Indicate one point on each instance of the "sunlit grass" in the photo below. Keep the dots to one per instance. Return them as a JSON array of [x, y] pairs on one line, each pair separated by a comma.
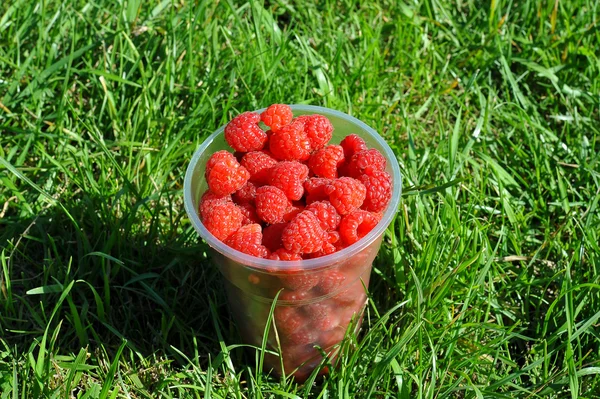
[[487, 284]]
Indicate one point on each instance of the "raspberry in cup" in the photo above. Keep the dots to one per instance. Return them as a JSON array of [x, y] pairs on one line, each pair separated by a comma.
[[318, 269]]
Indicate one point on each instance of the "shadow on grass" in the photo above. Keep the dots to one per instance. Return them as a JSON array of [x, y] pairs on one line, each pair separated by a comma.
[[105, 276]]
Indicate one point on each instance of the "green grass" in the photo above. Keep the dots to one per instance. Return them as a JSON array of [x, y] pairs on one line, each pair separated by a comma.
[[487, 285]]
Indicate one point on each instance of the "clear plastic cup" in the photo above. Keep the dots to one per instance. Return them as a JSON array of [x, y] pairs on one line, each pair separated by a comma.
[[318, 298]]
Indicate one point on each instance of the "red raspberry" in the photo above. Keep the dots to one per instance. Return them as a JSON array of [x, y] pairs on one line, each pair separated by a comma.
[[259, 165], [222, 219], [329, 339], [243, 133], [379, 189], [289, 176], [327, 249], [226, 176], [219, 156], [356, 225], [318, 129], [334, 243], [293, 296], [326, 161], [315, 189], [355, 294], [282, 254], [272, 236], [326, 213], [248, 240], [303, 234], [333, 237], [346, 194], [271, 204], [290, 143], [302, 337], [321, 316], [364, 159], [276, 116], [293, 210], [246, 194], [288, 319], [331, 281], [351, 297], [300, 281], [353, 144], [249, 212], [210, 199]]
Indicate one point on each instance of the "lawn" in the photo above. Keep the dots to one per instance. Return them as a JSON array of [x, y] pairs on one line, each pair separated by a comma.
[[487, 284]]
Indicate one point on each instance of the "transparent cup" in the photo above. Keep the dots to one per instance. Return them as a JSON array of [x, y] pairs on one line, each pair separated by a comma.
[[318, 298]]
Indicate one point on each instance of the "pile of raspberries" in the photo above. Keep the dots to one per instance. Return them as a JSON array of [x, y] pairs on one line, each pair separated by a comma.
[[286, 194]]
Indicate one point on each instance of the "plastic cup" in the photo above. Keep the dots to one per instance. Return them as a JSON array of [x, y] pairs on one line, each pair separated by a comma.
[[318, 298]]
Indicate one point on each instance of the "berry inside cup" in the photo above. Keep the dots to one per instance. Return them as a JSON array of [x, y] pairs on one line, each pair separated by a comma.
[[291, 174], [286, 192]]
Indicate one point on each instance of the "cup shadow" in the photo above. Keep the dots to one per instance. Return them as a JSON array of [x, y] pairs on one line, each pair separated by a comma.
[[144, 280]]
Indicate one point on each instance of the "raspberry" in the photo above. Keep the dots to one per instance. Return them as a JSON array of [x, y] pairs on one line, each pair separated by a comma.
[[355, 294], [353, 144], [327, 249], [259, 165], [303, 337], [331, 281], [276, 116], [272, 236], [249, 212], [379, 189], [321, 316], [293, 210], [332, 244], [333, 237], [350, 312], [329, 339], [326, 213], [288, 319], [303, 234], [245, 194], [219, 156], [222, 219], [325, 162], [248, 240], [361, 160], [289, 176], [346, 194], [318, 129], [300, 281], [356, 225], [226, 176], [315, 189], [379, 215], [290, 143], [210, 199], [293, 296], [243, 133], [282, 254], [271, 204]]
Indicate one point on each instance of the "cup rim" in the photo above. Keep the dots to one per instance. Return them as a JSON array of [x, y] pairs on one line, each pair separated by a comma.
[[305, 264]]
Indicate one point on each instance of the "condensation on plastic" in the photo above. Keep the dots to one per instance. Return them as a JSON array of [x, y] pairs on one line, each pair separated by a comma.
[[252, 283]]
